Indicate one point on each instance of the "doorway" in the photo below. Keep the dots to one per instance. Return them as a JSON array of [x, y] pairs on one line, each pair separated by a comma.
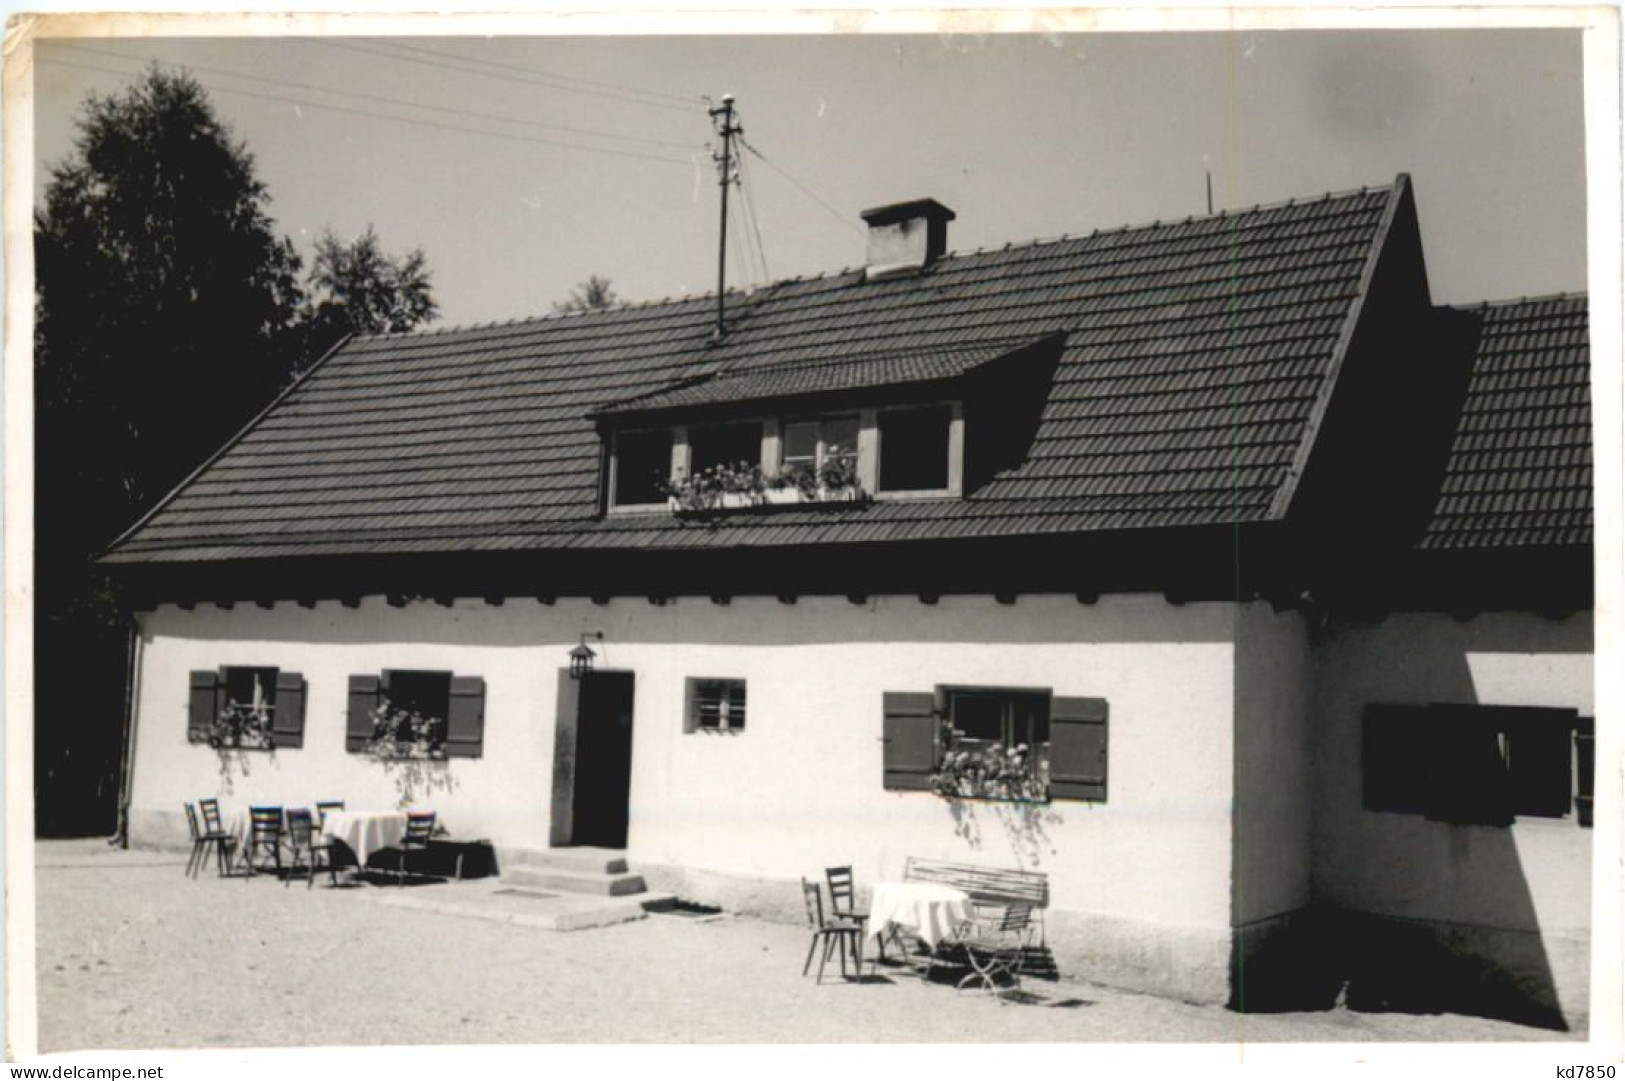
[[592, 760]]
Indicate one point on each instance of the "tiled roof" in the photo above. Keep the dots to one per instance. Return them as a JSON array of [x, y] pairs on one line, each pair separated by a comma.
[[1519, 471], [859, 369], [1195, 355]]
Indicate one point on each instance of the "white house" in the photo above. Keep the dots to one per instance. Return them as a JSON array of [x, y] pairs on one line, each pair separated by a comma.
[[1279, 573]]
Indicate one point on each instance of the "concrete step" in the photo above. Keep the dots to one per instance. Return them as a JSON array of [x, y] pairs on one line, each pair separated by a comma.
[[563, 881], [583, 860]]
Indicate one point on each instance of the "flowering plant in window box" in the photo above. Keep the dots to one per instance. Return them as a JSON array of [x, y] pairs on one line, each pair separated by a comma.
[[993, 772], [738, 484], [242, 726], [399, 733], [836, 481]]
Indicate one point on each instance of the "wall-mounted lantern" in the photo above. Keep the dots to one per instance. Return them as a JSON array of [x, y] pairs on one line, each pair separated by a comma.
[[581, 657]]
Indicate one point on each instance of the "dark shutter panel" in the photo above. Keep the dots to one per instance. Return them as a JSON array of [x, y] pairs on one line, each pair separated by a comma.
[[288, 718], [909, 736], [691, 704], [202, 707], [1585, 767], [465, 719], [1395, 759], [1468, 780], [1077, 748], [363, 700]]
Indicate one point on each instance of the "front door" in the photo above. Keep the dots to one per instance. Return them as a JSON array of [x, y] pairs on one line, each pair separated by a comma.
[[601, 778]]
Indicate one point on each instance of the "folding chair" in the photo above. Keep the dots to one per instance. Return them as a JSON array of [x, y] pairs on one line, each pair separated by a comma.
[[995, 945]]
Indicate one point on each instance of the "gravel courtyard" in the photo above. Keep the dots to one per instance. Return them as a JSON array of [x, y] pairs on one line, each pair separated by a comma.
[[133, 955]]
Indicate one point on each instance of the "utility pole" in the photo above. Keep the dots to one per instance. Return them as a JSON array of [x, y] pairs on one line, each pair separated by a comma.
[[722, 117]]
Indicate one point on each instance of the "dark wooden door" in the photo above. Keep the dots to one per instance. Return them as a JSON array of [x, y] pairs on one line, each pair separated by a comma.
[[603, 767]]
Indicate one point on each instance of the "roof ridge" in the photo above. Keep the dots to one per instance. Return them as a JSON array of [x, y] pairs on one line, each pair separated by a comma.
[[1347, 193]]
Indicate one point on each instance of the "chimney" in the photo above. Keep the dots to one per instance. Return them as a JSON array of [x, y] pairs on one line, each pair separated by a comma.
[[905, 238]]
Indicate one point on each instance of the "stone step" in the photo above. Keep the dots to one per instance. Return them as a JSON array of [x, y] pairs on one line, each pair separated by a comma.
[[565, 881], [490, 899], [583, 860]]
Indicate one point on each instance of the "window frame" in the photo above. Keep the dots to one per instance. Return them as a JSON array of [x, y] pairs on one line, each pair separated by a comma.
[[264, 678], [693, 689], [679, 437], [955, 475], [441, 731]]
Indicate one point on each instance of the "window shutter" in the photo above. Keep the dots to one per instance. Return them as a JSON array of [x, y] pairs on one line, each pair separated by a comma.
[[1394, 759], [288, 719], [1077, 748], [909, 736], [203, 705], [1585, 767], [1468, 782], [465, 718], [363, 700]]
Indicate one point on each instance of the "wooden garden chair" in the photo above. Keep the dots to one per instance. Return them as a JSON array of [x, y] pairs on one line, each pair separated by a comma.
[[834, 935], [214, 834], [304, 841], [843, 897], [419, 829], [264, 838]]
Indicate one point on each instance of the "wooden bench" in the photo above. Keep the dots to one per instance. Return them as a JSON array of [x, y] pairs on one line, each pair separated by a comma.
[[990, 886]]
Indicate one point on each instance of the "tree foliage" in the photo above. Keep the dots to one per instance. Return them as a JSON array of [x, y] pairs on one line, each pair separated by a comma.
[[592, 295], [358, 288]]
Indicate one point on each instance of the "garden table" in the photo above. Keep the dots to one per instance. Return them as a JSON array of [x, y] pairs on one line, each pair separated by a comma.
[[365, 832], [930, 911]]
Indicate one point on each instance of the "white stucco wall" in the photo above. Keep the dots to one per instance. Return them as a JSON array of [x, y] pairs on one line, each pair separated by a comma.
[[1271, 849], [1532, 878], [800, 789]]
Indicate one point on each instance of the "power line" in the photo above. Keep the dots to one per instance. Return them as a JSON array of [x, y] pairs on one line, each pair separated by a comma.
[[844, 220], [745, 184], [395, 101], [401, 119], [465, 69], [687, 101]]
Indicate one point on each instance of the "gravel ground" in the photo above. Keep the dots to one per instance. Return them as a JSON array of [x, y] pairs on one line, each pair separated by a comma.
[[133, 955]]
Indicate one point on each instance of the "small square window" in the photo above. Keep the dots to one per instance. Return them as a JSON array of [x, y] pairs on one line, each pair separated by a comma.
[[715, 705], [642, 467], [914, 449], [821, 453]]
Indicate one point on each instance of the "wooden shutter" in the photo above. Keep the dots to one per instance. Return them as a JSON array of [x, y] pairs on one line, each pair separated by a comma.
[[465, 717], [1394, 759], [909, 735], [288, 718], [363, 700], [203, 705], [1077, 748], [1468, 783], [1585, 767]]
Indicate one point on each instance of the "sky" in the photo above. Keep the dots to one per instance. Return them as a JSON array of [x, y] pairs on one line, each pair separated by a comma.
[[523, 165]]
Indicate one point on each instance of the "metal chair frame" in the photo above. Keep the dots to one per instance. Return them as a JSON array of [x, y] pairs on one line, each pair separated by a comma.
[[419, 829], [995, 942], [836, 935]]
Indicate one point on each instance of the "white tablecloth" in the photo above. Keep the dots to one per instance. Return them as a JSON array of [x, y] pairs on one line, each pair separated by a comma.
[[928, 909], [365, 831]]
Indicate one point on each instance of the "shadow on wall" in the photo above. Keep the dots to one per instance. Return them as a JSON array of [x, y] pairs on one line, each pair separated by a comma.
[[1412, 912]]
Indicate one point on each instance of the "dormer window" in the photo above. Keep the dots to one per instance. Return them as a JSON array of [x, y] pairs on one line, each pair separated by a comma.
[[724, 444], [915, 449], [641, 467], [819, 450]]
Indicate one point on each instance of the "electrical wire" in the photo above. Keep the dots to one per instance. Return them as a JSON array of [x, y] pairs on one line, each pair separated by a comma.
[[383, 99], [687, 101], [745, 185], [467, 69], [842, 218], [398, 119]]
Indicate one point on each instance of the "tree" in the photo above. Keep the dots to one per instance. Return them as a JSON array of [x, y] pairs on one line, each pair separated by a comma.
[[358, 288], [592, 295], [163, 299]]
